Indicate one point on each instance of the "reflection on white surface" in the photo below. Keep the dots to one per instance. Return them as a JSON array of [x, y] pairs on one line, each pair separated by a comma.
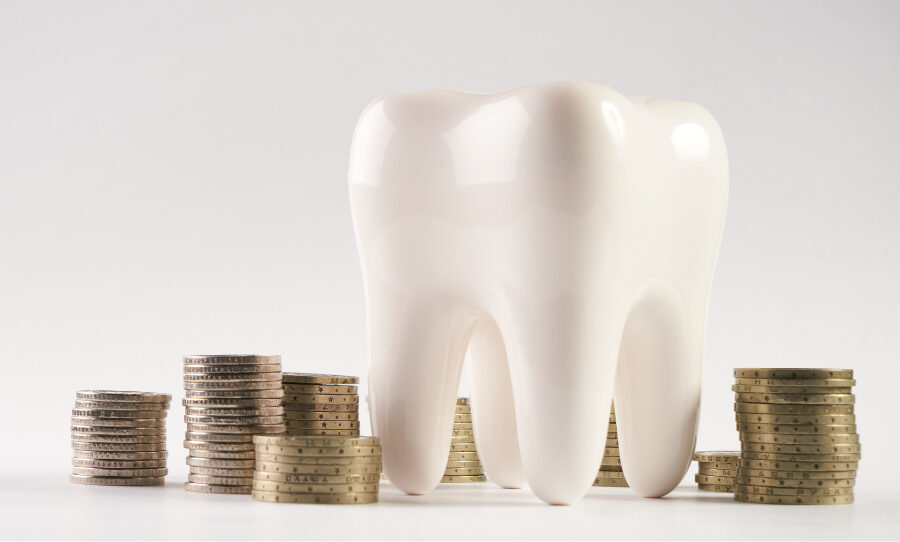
[[369, 146], [614, 123], [690, 141]]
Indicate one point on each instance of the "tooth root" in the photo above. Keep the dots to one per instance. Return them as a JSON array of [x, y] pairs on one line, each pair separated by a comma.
[[493, 411], [658, 391], [562, 365], [417, 354]]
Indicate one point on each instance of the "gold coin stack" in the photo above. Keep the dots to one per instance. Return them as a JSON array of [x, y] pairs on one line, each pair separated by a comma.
[[119, 438], [317, 470], [228, 400], [716, 471], [610, 473], [798, 436], [463, 464], [319, 404]]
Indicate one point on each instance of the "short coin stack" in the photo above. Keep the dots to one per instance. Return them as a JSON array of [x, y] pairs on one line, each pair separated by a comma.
[[317, 470], [798, 436], [319, 404], [463, 464], [716, 471], [228, 399], [119, 438], [610, 474]]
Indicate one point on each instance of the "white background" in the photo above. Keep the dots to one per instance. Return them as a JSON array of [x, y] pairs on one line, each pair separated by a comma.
[[173, 180]]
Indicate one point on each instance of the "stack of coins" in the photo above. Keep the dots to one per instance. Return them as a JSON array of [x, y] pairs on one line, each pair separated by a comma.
[[317, 470], [463, 464], [119, 438], [798, 436], [228, 399], [610, 473], [716, 471], [318, 404]]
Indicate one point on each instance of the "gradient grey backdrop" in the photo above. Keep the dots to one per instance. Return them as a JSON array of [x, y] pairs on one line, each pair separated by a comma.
[[173, 180]]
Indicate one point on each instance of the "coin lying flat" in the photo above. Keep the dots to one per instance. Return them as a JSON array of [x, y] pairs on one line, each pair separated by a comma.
[[798, 475], [797, 398], [233, 385], [319, 389], [120, 456], [292, 430], [793, 499], [794, 373], [232, 377], [218, 446], [611, 452], [610, 482], [792, 491], [716, 472], [796, 419], [462, 418], [292, 406], [610, 474], [118, 447], [120, 473], [800, 439], [800, 429], [217, 480], [463, 456], [716, 488], [240, 359], [234, 420], [120, 431], [801, 448], [215, 368], [236, 394], [118, 464], [795, 482], [714, 480], [309, 378], [116, 480], [218, 454], [319, 451], [314, 424], [463, 479], [209, 436], [462, 447], [610, 461], [798, 382], [313, 498], [220, 463], [801, 457], [745, 388], [274, 467], [119, 414], [219, 471], [463, 471], [231, 403], [304, 399], [312, 460], [797, 465], [234, 412], [128, 396], [90, 421], [299, 441], [211, 488], [718, 457], [85, 404], [237, 429], [464, 464], [766, 408], [463, 409], [302, 478], [358, 487], [306, 415], [119, 439]]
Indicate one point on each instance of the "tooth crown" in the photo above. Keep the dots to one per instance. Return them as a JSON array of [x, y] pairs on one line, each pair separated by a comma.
[[571, 219]]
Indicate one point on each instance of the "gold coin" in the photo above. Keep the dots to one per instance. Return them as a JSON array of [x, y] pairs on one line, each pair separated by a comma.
[[218, 480], [235, 420], [798, 429], [234, 412], [806, 390], [462, 409], [463, 456], [123, 396], [293, 406], [215, 368], [220, 463], [462, 447], [794, 483], [706, 465], [302, 478], [800, 382], [610, 474], [796, 465], [321, 442], [293, 431], [611, 452], [610, 461], [716, 488], [463, 479], [357, 487], [717, 457], [801, 457], [463, 471], [305, 415], [237, 429], [310, 378], [793, 373], [793, 499], [307, 460], [610, 482], [303, 399], [126, 473], [118, 447], [319, 451], [218, 454], [796, 419], [800, 439], [231, 359], [231, 377], [464, 464], [796, 398], [228, 385], [612, 443], [119, 414], [462, 418], [118, 464], [120, 456], [315, 424], [791, 491], [462, 401], [462, 425], [713, 480], [212, 488], [462, 433], [815, 410], [315, 498], [276, 467], [716, 472], [462, 440], [610, 468], [798, 475], [801, 448], [117, 480], [222, 471], [86, 421], [237, 395], [121, 439], [224, 438], [319, 389], [231, 403]]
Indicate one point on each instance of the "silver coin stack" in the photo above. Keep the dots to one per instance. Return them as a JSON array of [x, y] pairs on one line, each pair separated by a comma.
[[119, 438], [228, 400]]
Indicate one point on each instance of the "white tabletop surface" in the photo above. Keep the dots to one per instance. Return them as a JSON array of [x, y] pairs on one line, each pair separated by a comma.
[[48, 506]]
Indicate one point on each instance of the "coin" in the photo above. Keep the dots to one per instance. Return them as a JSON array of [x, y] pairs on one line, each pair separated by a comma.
[[610, 474], [716, 488], [464, 464], [116, 480], [215, 368], [218, 454], [129, 473], [463, 471], [240, 359], [610, 482], [804, 429], [764, 408], [117, 464], [796, 419], [218, 480], [313, 424], [454, 479], [462, 418], [460, 409], [745, 388], [798, 475], [305, 415], [207, 436], [612, 442], [791, 491], [319, 389], [237, 429], [716, 472], [801, 448], [463, 456], [796, 398], [610, 461], [610, 468], [118, 447], [120, 456], [462, 433], [301, 478], [794, 373], [211, 488], [797, 465], [231, 403], [315, 498], [800, 439], [274, 467], [219, 446], [309, 378], [322, 432], [233, 420], [794, 483], [800, 382], [611, 452], [315, 441], [462, 447], [319, 451], [120, 439], [307, 460], [462, 401], [227, 385], [120, 431], [219, 463], [801, 457], [718, 457], [84, 404], [713, 480], [234, 412], [218, 471], [129, 396], [242, 378], [290, 406], [358, 487], [304, 399], [119, 414], [237, 395], [89, 421], [793, 499]]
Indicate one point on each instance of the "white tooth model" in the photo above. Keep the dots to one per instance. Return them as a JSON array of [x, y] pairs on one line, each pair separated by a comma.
[[567, 236]]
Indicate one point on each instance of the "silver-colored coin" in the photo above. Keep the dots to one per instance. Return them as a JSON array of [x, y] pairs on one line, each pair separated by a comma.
[[218, 480], [122, 431], [232, 377], [234, 412], [212, 488], [229, 385], [238, 429], [235, 420], [128, 396], [118, 464], [120, 456], [219, 446], [116, 480], [84, 404], [89, 421], [220, 463], [231, 359], [236, 396], [122, 473], [231, 403], [215, 368], [219, 454], [120, 414], [213, 471], [208, 436], [118, 447], [121, 439]]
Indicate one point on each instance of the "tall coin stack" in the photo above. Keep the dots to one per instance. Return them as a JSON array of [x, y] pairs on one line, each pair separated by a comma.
[[716, 471], [798, 436], [119, 438], [319, 404], [317, 470], [610, 473], [463, 464], [228, 399]]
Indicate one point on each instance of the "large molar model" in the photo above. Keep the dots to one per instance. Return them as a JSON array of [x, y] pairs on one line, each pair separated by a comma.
[[566, 236]]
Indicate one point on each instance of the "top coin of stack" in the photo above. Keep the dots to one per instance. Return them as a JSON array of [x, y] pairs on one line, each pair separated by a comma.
[[463, 464], [610, 473], [716, 471], [228, 399], [320, 404], [119, 438], [798, 436]]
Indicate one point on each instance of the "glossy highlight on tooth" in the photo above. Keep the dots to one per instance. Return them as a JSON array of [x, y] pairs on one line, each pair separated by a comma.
[[564, 235]]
